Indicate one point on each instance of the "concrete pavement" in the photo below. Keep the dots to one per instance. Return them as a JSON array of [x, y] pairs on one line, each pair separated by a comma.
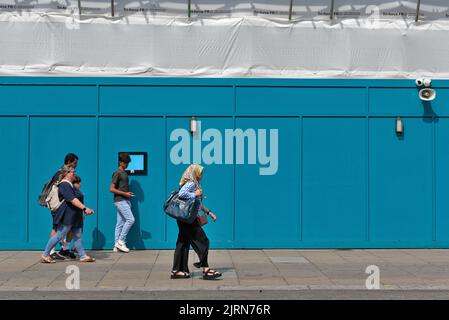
[[281, 271]]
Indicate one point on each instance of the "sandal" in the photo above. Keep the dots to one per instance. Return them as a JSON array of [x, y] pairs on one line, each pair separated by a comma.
[[47, 259], [197, 265], [87, 259], [211, 274], [179, 275]]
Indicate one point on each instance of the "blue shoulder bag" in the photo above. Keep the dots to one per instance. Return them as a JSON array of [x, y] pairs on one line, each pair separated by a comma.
[[184, 210]]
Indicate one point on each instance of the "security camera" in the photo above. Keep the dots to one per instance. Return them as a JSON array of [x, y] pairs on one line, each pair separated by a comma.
[[419, 82], [427, 82]]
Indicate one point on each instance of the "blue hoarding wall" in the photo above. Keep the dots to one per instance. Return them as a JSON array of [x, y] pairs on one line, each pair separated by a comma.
[[288, 163]]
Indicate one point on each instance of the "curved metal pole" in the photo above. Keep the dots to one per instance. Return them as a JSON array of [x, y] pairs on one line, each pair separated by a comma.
[[418, 8]]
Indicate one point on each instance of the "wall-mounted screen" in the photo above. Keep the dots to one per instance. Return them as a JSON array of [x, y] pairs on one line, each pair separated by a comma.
[[138, 164]]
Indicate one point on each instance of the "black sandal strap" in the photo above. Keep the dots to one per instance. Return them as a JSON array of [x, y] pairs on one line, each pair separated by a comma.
[[211, 272], [179, 275]]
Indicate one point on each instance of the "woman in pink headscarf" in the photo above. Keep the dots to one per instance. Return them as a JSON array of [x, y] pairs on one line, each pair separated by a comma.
[[192, 234]]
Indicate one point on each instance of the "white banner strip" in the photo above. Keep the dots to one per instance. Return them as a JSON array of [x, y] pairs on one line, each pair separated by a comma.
[[301, 9], [232, 47]]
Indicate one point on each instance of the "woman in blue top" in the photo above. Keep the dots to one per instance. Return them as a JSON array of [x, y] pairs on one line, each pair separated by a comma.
[[192, 234], [68, 217]]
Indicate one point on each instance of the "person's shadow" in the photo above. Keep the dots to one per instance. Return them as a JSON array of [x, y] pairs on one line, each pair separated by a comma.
[[136, 235], [428, 113], [99, 239]]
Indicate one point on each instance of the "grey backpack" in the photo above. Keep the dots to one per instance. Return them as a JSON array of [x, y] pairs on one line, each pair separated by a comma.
[[53, 201], [42, 198]]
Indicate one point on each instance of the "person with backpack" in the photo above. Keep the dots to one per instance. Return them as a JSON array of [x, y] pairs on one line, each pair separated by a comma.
[[70, 159], [68, 217], [192, 234], [120, 188]]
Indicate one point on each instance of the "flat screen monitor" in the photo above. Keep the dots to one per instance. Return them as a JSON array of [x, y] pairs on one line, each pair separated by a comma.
[[138, 164]]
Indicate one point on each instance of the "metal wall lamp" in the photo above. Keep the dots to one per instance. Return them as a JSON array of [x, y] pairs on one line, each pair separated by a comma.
[[193, 126], [399, 126]]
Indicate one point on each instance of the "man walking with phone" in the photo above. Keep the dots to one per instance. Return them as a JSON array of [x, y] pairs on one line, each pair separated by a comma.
[[120, 188]]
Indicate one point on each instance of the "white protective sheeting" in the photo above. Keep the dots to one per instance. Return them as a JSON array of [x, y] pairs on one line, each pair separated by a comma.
[[367, 38]]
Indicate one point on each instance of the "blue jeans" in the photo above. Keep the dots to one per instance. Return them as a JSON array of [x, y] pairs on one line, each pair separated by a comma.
[[125, 220], [61, 234]]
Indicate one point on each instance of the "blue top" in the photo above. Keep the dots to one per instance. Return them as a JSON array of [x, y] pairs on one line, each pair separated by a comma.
[[67, 214], [80, 196], [187, 191]]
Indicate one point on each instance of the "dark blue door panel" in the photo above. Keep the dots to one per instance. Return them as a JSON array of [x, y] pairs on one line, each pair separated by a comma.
[[401, 173], [334, 179]]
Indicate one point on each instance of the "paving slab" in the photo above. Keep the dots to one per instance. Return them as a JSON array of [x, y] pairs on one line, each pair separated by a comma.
[[403, 281], [88, 284], [214, 284], [138, 266], [288, 259], [350, 282], [306, 281], [85, 268], [162, 278], [254, 274], [102, 288], [26, 282], [6, 254], [138, 259], [345, 273], [303, 275], [131, 274], [366, 260], [15, 288], [5, 276], [87, 279], [122, 283], [269, 281], [14, 266], [178, 284], [53, 288]]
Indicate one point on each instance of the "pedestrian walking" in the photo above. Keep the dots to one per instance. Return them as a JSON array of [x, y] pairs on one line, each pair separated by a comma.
[[68, 217], [70, 159], [120, 188], [192, 234]]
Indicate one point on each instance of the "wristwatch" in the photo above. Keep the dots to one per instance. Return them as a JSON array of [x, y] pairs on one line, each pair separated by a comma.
[[84, 209]]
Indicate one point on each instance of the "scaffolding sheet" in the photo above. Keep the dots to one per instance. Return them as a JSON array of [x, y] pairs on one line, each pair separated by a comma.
[[297, 9], [239, 39]]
